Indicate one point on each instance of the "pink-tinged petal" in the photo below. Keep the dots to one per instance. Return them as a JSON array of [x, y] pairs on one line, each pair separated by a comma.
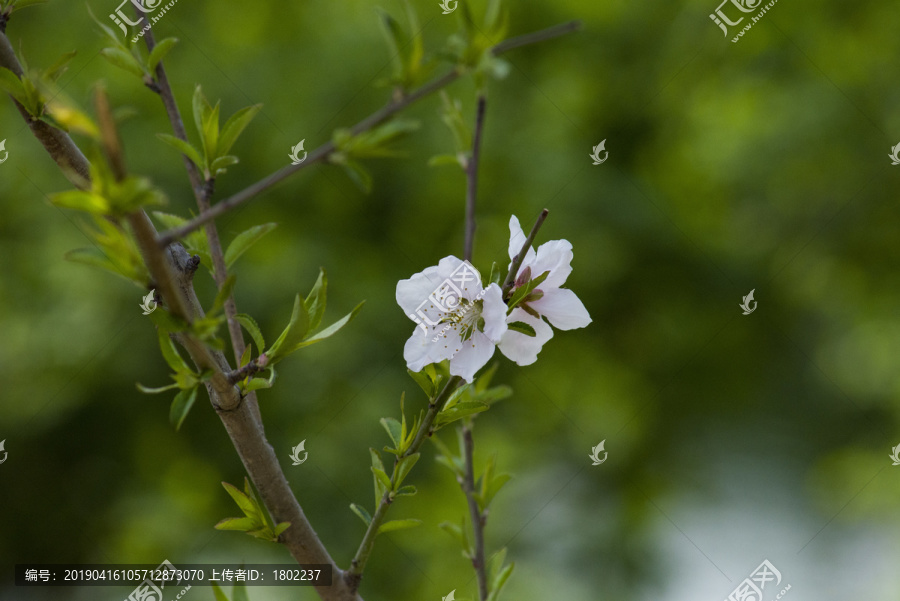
[[522, 348], [494, 313], [476, 352], [516, 239], [556, 257], [564, 310]]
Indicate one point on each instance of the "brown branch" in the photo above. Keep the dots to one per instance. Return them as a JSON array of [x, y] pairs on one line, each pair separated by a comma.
[[517, 261], [472, 179], [246, 433], [396, 104], [478, 518], [353, 576]]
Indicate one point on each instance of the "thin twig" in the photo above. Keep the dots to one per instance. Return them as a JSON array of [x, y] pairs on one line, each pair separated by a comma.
[[517, 261], [353, 575], [478, 521], [472, 179], [203, 193], [322, 152]]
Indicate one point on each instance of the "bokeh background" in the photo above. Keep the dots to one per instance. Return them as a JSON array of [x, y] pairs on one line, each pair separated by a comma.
[[757, 165]]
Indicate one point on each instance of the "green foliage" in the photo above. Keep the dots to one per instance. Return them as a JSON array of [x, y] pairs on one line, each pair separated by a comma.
[[307, 314], [216, 142], [27, 89], [256, 521], [374, 143], [498, 572], [195, 242], [8, 7], [114, 250], [238, 592], [471, 47], [472, 398], [526, 292], [243, 241], [452, 116], [130, 58], [407, 52]]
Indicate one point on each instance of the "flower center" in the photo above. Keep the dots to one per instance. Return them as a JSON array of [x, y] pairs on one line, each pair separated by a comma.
[[465, 318]]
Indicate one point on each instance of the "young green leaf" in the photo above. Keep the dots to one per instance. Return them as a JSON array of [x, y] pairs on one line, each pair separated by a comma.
[[522, 328], [406, 491], [424, 382], [315, 301], [243, 500], [392, 426], [170, 353], [218, 166], [182, 404], [12, 85], [404, 466], [243, 241], [332, 329], [159, 52], [54, 71], [252, 328], [239, 592], [235, 125], [183, 147], [362, 513], [124, 60], [219, 593], [239, 524], [382, 478], [398, 525], [147, 390], [459, 411], [293, 334]]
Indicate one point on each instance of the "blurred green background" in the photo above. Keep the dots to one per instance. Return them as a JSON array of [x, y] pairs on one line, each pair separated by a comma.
[[732, 166]]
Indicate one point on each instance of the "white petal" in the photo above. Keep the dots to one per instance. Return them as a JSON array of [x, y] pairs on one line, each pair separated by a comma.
[[421, 349], [476, 352], [556, 257], [494, 313], [564, 310], [521, 348], [516, 239], [428, 295]]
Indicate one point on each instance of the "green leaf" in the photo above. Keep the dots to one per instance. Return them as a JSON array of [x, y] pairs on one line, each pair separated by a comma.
[[183, 147], [404, 466], [240, 524], [522, 328], [124, 60], [495, 274], [220, 595], [424, 382], [358, 174], [281, 528], [398, 525], [182, 404], [54, 71], [159, 52], [200, 108], [252, 328], [382, 477], [497, 393], [239, 592], [379, 486], [147, 390], [235, 125], [294, 332], [243, 241], [332, 329], [79, 200], [500, 580], [394, 37], [522, 291], [218, 166], [243, 501], [210, 134], [12, 85], [406, 491], [440, 160], [26, 3], [315, 301], [459, 411], [392, 426], [170, 353], [362, 513], [495, 564], [246, 355]]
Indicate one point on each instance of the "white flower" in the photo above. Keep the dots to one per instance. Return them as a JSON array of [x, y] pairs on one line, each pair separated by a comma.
[[558, 305], [457, 318]]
